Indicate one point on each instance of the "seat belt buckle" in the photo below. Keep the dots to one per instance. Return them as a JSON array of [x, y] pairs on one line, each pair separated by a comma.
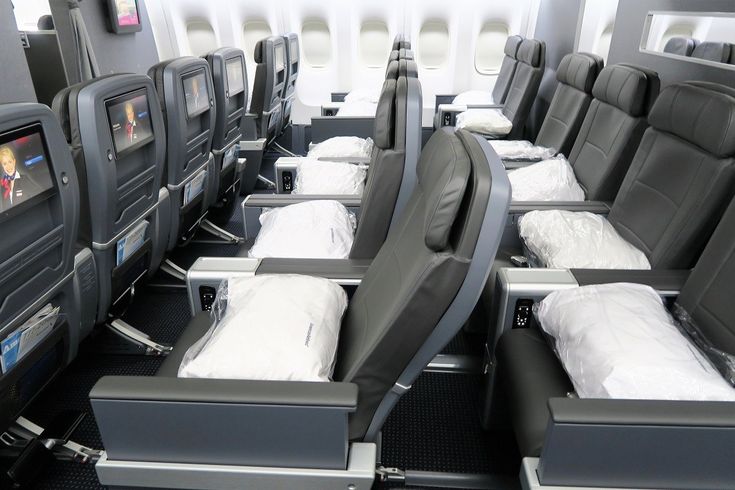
[[519, 261]]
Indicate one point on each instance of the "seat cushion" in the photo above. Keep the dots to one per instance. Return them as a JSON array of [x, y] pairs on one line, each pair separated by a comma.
[[308, 230], [548, 180], [488, 122], [529, 374], [577, 240], [474, 97], [521, 150]]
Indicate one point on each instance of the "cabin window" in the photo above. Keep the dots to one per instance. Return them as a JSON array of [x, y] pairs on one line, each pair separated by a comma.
[[489, 50], [316, 42], [253, 31], [374, 43], [201, 36], [433, 46]]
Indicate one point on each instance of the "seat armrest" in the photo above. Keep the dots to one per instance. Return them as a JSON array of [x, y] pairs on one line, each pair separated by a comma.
[[281, 200], [330, 109], [596, 207], [224, 422], [665, 282], [516, 164], [347, 272], [339, 96], [443, 99], [638, 444], [323, 128]]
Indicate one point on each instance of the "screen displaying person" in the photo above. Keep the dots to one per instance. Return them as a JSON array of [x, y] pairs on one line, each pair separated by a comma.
[[197, 97], [15, 187], [127, 12], [131, 123]]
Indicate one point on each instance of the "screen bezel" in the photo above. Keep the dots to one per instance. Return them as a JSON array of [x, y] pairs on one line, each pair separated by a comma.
[[116, 100], [115, 23], [187, 76], [13, 135], [240, 63]]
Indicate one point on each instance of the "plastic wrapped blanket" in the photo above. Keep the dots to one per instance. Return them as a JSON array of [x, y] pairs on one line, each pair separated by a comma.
[[318, 177], [308, 230], [474, 97], [518, 150], [363, 95], [488, 122], [578, 240], [248, 340], [357, 109], [549, 180], [619, 341], [342, 147]]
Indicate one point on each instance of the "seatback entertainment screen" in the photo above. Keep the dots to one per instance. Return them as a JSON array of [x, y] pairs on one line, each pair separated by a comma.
[[130, 121], [25, 173], [124, 16], [196, 93], [235, 79]]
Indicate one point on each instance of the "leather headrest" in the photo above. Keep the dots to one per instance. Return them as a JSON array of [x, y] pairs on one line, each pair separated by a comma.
[[623, 86], [683, 46], [407, 68], [443, 174], [45, 23], [405, 54], [258, 54], [530, 52], [393, 55], [580, 70], [718, 52], [385, 116], [511, 46], [392, 70], [702, 113]]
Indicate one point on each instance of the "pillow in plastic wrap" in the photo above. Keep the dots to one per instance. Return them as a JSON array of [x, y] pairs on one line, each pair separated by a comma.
[[578, 240], [357, 109], [318, 177], [520, 150], [489, 122], [619, 341], [549, 180], [342, 147], [363, 95], [474, 97], [307, 230], [249, 341]]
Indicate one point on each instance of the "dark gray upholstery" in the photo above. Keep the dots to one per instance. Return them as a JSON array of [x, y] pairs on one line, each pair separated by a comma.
[[507, 69], [268, 86], [524, 87], [612, 129], [45, 23], [683, 46], [400, 42], [711, 51], [292, 73], [576, 74], [410, 283], [682, 175]]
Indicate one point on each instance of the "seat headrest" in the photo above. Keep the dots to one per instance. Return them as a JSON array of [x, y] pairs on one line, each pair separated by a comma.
[[443, 184], [702, 113], [385, 116], [625, 87], [393, 55], [718, 52], [683, 46], [511, 46], [408, 69], [392, 71], [580, 70], [45, 23], [530, 52], [259, 53]]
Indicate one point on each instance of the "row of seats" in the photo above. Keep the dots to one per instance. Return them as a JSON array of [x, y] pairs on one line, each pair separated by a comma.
[[707, 50]]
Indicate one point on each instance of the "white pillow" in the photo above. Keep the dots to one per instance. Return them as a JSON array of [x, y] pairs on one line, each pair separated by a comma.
[[357, 109], [474, 97], [521, 150], [490, 122], [318, 177], [342, 147], [307, 230], [578, 240], [274, 327], [548, 180], [363, 95], [618, 341]]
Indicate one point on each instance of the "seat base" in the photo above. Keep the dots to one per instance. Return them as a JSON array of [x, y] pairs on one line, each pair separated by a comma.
[[359, 474]]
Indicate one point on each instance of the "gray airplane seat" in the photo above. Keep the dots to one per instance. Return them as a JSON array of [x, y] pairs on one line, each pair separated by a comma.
[[712, 51], [270, 79], [400, 42], [230, 79], [507, 69], [637, 451], [576, 75], [186, 95], [39, 218], [412, 300], [292, 70], [524, 87], [45, 63], [682, 46]]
